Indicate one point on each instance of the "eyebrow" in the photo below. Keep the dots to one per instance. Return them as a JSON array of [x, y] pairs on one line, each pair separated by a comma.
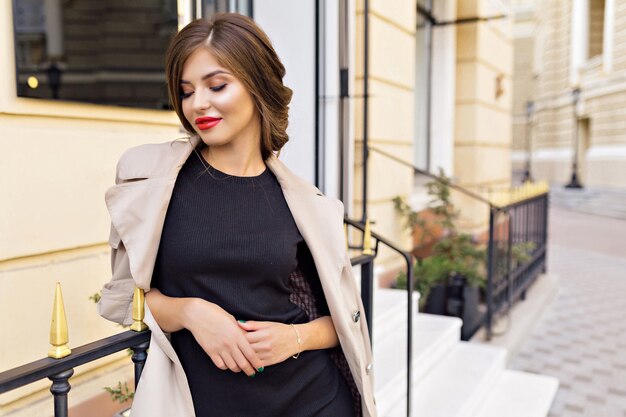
[[207, 76]]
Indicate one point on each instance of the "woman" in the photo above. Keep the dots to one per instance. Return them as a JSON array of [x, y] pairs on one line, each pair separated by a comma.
[[244, 263]]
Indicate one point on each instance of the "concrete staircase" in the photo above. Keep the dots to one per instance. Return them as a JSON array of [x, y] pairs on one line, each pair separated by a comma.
[[451, 378]]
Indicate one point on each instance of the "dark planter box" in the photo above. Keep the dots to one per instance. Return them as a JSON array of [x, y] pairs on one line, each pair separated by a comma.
[[456, 301]]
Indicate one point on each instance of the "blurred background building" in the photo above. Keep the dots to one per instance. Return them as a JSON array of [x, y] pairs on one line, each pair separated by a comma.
[[570, 92]]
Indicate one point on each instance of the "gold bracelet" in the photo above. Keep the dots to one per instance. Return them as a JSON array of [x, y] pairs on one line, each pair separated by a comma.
[[299, 342]]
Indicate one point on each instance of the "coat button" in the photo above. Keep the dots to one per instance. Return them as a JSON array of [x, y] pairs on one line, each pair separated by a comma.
[[369, 367], [356, 316]]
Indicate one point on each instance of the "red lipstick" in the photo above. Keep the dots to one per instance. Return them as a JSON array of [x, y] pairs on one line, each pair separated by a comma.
[[205, 123]]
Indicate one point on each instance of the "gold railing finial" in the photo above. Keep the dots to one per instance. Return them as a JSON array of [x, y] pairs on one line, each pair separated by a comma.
[[138, 311], [58, 328], [367, 239]]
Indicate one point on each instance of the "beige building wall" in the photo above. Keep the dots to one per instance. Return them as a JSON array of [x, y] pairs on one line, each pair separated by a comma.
[[56, 161], [483, 104], [553, 121], [391, 115], [524, 78]]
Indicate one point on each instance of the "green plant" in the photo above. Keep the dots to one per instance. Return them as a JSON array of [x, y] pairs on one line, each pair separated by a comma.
[[521, 252], [95, 297], [455, 253], [120, 394]]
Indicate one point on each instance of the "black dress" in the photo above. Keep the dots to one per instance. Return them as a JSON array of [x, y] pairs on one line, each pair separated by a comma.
[[233, 241]]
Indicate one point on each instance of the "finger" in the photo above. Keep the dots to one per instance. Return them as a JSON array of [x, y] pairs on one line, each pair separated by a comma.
[[230, 362], [249, 326], [261, 348], [255, 337], [252, 357], [243, 363], [265, 355], [218, 361], [252, 325]]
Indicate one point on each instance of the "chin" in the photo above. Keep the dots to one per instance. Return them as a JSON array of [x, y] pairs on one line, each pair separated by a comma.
[[212, 140]]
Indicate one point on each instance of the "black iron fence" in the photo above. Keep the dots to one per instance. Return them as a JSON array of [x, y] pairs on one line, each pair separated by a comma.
[[516, 256], [516, 248], [59, 371]]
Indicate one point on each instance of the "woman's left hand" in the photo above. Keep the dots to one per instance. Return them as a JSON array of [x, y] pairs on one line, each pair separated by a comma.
[[273, 342]]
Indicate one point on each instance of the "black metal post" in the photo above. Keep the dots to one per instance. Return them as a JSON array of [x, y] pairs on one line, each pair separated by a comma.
[[319, 128], [429, 23], [366, 59], [60, 387], [530, 108], [574, 182], [344, 101], [490, 274], [509, 256], [139, 359], [409, 332], [544, 237], [367, 293]]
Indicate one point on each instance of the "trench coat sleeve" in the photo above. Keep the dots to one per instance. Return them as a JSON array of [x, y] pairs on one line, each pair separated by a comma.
[[117, 295]]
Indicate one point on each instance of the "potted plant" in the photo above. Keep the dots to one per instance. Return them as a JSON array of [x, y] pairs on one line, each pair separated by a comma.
[[450, 275]]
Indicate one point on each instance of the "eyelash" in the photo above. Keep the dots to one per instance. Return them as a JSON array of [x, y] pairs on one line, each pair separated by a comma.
[[216, 89]]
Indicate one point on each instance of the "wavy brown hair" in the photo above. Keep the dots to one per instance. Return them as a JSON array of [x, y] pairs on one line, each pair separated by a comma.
[[242, 47]]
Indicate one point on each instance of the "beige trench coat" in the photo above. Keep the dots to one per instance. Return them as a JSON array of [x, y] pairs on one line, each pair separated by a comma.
[[137, 205]]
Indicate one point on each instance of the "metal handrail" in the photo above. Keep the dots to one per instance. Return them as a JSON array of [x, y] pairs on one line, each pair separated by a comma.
[[48, 367], [435, 177], [409, 274]]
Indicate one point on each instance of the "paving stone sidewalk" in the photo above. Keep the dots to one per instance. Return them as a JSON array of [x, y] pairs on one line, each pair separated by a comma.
[[581, 340]]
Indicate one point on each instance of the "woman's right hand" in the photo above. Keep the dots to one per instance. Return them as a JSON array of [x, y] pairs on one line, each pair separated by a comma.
[[213, 328], [217, 332]]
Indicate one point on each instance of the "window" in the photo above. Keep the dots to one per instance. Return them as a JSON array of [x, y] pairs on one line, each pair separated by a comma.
[[104, 52], [596, 28]]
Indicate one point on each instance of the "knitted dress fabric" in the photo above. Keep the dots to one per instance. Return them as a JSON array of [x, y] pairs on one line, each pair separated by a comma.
[[233, 241]]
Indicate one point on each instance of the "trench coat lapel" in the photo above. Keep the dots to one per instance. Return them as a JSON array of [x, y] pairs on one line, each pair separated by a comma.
[[138, 207], [319, 220]]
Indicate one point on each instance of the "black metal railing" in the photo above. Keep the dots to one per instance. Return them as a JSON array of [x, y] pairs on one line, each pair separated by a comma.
[[59, 371], [367, 292], [518, 234], [516, 248]]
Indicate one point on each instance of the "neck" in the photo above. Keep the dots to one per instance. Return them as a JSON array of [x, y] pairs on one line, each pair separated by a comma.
[[243, 162]]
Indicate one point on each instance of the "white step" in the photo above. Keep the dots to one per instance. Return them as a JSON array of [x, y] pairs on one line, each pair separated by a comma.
[[390, 309], [520, 394], [457, 386], [433, 338]]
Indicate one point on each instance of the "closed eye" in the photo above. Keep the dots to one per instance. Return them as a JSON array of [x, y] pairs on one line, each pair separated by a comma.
[[216, 88]]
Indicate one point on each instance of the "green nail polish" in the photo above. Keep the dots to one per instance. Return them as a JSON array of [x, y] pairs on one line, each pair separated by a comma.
[[241, 321], [261, 369], [252, 376]]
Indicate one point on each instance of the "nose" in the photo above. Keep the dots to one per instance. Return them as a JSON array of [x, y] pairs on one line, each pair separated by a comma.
[[201, 100]]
